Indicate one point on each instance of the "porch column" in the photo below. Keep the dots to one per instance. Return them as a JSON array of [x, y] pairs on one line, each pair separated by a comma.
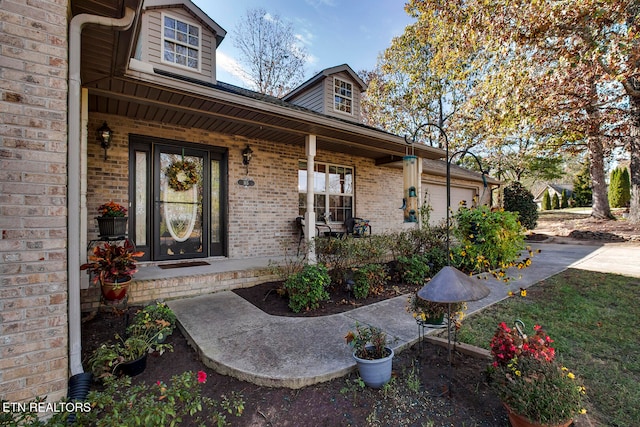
[[310, 216]]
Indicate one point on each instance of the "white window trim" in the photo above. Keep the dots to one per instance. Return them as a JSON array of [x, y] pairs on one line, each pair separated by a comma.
[[327, 193], [333, 97], [162, 40]]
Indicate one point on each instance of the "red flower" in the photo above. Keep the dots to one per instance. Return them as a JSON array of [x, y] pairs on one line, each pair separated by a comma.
[[507, 343], [202, 377]]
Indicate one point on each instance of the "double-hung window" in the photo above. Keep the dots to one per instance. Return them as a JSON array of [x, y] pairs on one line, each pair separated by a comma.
[[333, 191], [181, 42], [342, 96]]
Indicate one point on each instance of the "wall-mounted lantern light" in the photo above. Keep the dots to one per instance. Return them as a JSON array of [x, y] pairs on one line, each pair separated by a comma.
[[247, 153], [246, 156], [104, 136]]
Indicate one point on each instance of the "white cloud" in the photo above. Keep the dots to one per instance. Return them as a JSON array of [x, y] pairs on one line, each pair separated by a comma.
[[232, 67], [305, 37], [318, 3], [269, 17]]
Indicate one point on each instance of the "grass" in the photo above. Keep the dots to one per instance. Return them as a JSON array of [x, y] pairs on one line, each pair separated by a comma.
[[593, 318]]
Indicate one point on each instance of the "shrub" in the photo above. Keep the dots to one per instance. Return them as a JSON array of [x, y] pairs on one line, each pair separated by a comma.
[[413, 269], [122, 404], [436, 258], [619, 188], [564, 202], [307, 288], [546, 201], [555, 201], [342, 255], [518, 199], [582, 193], [487, 240], [369, 279], [418, 241]]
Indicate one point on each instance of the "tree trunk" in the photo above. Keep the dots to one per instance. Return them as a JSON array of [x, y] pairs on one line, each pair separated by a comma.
[[600, 205], [634, 152]]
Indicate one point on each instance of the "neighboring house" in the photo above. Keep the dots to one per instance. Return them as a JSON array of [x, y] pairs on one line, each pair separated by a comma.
[[149, 72], [553, 189]]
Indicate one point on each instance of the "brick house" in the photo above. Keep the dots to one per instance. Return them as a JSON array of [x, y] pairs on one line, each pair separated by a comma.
[[148, 71]]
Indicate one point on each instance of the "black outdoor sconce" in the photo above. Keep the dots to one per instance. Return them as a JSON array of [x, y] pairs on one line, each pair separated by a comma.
[[104, 136], [246, 156], [247, 153]]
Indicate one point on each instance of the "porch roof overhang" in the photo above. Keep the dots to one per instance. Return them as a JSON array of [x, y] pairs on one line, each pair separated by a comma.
[[145, 94], [223, 108]]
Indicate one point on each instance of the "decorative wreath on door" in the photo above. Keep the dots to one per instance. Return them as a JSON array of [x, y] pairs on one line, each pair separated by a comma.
[[182, 175]]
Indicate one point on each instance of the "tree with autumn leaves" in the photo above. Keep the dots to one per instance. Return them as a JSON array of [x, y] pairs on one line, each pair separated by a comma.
[[564, 75]]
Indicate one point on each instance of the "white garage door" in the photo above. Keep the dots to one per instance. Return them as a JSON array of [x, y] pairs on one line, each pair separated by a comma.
[[437, 198]]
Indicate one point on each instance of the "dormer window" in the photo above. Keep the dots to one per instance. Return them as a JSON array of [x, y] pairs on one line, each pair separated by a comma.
[[342, 96], [180, 42]]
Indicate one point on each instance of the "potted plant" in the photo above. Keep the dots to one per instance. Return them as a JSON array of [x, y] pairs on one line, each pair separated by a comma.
[[432, 314], [533, 386], [372, 354], [426, 312], [158, 318], [112, 265], [126, 356], [112, 220]]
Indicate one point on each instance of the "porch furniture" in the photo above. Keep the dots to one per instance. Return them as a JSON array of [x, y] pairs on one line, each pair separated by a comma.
[[322, 229], [357, 227]]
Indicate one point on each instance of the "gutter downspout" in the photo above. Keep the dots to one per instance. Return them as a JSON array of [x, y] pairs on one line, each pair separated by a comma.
[[74, 175]]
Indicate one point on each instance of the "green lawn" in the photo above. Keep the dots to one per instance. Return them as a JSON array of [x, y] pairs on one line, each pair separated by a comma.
[[594, 319]]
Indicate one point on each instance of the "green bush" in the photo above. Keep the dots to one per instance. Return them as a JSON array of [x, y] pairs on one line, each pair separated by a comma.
[[619, 188], [413, 269], [518, 199], [555, 201], [564, 202], [418, 241], [307, 288], [582, 193], [436, 258], [122, 404], [370, 278], [486, 240], [546, 201], [342, 255]]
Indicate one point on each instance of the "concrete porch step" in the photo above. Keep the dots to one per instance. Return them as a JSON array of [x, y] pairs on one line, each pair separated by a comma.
[[152, 283]]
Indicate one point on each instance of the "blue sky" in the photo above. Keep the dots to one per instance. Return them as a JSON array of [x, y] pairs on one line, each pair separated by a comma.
[[334, 32]]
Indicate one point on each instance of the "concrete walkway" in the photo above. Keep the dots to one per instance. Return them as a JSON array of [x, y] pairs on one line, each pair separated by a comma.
[[235, 338]]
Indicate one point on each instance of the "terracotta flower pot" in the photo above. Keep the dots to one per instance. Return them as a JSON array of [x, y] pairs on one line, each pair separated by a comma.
[[116, 291], [518, 420]]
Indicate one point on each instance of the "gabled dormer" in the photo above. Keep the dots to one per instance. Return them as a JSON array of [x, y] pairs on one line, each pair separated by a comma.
[[334, 91], [177, 37]]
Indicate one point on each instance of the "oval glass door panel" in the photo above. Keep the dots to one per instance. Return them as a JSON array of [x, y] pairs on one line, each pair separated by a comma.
[[180, 205]]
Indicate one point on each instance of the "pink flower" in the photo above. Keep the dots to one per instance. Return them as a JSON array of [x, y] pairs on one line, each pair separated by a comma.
[[158, 383], [202, 377]]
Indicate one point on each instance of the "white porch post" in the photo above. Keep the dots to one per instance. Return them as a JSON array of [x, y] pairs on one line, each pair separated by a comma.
[[309, 216]]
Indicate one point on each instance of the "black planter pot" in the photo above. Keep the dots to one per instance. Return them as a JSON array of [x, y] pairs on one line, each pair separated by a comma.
[[112, 226], [133, 368]]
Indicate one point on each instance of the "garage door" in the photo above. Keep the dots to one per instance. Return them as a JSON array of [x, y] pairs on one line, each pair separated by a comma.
[[437, 198]]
